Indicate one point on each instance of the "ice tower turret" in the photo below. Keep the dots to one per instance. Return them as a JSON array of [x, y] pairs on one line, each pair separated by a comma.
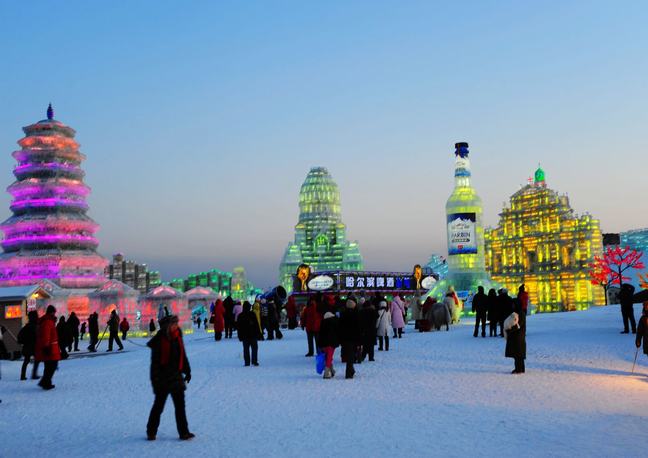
[[49, 235], [320, 234]]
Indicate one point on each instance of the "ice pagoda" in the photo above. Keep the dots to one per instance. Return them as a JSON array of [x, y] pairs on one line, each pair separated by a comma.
[[320, 234], [49, 235]]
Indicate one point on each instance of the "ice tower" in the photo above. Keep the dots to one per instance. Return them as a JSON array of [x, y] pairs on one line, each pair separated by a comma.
[[49, 235], [320, 235]]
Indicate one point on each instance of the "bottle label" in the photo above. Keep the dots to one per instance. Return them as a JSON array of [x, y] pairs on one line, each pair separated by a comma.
[[462, 233]]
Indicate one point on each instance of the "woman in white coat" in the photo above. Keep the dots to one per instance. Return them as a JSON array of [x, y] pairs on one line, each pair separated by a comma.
[[397, 316], [383, 323]]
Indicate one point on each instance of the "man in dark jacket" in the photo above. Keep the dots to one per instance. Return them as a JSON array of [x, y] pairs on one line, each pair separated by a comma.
[[505, 307], [170, 371], [248, 332], [64, 337], [113, 329], [350, 335], [228, 303], [73, 329], [627, 310], [27, 338], [93, 330], [642, 329], [368, 319], [480, 307]]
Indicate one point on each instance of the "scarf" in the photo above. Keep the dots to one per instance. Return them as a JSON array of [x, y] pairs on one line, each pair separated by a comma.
[[165, 349]]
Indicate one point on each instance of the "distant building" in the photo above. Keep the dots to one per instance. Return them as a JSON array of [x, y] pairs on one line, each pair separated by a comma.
[[132, 273], [216, 279], [320, 235], [636, 239], [541, 242]]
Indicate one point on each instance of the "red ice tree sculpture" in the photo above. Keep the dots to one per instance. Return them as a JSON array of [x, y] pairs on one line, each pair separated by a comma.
[[608, 270]]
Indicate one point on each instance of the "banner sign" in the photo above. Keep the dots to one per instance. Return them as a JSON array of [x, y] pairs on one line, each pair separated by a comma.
[[462, 233], [349, 281]]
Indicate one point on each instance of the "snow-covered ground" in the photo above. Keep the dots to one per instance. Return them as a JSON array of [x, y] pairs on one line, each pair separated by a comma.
[[441, 393]]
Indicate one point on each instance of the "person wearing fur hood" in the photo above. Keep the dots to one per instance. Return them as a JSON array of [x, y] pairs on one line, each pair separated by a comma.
[[398, 316], [383, 323], [329, 340], [515, 334]]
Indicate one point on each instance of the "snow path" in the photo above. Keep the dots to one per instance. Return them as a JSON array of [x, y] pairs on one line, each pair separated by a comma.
[[431, 394]]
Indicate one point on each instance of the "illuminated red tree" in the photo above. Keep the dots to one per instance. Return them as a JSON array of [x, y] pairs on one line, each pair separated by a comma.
[[609, 270]]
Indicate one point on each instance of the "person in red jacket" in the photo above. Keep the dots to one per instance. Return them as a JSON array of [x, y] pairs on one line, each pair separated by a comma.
[[523, 299], [218, 319], [47, 347], [291, 312], [312, 320], [124, 327]]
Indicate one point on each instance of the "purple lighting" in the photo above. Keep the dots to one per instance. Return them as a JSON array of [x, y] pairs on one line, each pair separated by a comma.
[[50, 236]]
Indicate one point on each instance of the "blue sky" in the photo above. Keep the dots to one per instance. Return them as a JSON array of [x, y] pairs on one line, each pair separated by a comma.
[[200, 120]]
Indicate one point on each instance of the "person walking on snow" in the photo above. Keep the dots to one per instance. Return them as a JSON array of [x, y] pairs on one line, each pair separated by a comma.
[[504, 308], [124, 327], [515, 334], [311, 321], [383, 324], [480, 307], [523, 299], [170, 372], [93, 330], [47, 347], [627, 310], [350, 335], [218, 320], [368, 319], [152, 326], [73, 331], [492, 312], [63, 336], [642, 329], [249, 333], [329, 340], [230, 321], [397, 316], [27, 338], [113, 329], [83, 330]]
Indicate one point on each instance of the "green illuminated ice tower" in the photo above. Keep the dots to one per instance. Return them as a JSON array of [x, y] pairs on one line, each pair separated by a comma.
[[320, 234], [465, 232]]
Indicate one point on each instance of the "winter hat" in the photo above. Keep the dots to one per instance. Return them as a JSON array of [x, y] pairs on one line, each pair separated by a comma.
[[51, 309], [382, 305], [350, 303], [328, 315]]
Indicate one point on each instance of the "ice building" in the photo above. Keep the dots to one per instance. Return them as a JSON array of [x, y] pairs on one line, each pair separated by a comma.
[[50, 236], [540, 242], [320, 235]]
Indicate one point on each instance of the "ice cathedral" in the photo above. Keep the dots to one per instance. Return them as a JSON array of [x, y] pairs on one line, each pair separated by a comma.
[[320, 235]]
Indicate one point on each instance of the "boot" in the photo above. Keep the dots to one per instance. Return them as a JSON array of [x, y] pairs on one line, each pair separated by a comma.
[[328, 373]]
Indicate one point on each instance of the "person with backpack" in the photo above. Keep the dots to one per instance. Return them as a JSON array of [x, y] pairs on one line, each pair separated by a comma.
[[382, 326], [27, 338]]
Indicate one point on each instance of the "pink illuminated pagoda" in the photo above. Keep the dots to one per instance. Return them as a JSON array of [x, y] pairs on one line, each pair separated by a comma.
[[49, 235]]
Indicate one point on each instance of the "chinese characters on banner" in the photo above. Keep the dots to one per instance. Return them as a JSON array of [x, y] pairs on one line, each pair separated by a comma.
[[372, 281]]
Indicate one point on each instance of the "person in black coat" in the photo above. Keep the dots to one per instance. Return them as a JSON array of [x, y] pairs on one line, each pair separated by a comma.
[[505, 308], [152, 326], [228, 303], [83, 330], [491, 310], [350, 334], [170, 371], [249, 334], [93, 330], [642, 329], [64, 337], [73, 328], [329, 340], [480, 307], [515, 332], [27, 338], [368, 318], [113, 329], [627, 310]]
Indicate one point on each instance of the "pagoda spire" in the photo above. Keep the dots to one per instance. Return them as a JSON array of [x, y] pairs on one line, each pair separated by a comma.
[[50, 112]]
